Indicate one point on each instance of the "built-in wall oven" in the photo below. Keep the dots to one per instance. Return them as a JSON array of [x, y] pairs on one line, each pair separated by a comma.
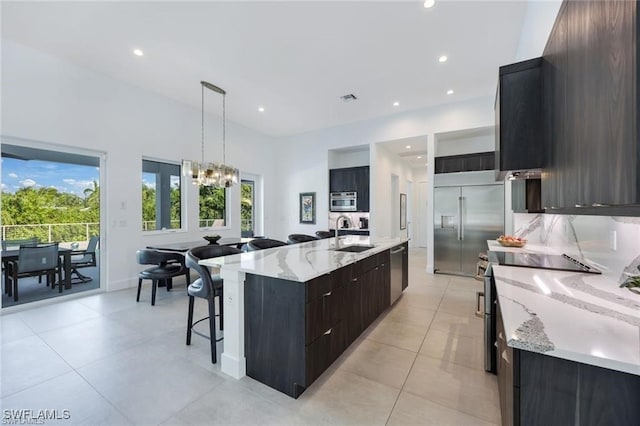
[[343, 202]]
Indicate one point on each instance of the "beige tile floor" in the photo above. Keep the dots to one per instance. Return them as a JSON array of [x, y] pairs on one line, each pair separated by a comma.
[[110, 360]]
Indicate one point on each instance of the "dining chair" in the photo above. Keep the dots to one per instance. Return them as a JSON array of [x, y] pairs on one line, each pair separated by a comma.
[[207, 287], [167, 266], [84, 259], [34, 262], [9, 245]]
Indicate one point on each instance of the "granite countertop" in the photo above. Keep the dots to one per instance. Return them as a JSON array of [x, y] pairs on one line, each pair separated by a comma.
[[577, 316], [302, 262]]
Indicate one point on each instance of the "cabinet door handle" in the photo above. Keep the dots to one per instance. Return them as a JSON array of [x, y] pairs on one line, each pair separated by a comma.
[[505, 357], [354, 279], [327, 332], [398, 250], [326, 294], [500, 336]]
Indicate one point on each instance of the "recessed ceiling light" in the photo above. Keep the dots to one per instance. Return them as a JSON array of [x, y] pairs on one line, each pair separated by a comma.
[[261, 109], [396, 103], [429, 3], [443, 58], [450, 92], [408, 146], [138, 52], [419, 157]]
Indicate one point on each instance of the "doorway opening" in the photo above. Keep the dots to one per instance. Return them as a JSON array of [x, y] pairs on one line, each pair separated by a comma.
[[50, 199]]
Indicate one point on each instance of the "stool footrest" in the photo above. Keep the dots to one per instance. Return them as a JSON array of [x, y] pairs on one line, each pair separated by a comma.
[[206, 336]]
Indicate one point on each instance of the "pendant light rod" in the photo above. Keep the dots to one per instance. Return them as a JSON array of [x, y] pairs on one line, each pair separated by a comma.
[[213, 87]]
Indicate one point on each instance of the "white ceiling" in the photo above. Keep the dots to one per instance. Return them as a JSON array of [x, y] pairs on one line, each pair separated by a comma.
[[293, 58]]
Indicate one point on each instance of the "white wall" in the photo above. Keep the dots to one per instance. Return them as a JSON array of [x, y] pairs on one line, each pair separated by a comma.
[[340, 160], [454, 143], [389, 179], [48, 100], [536, 27]]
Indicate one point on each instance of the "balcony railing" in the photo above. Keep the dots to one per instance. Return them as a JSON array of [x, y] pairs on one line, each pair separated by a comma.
[[50, 232]]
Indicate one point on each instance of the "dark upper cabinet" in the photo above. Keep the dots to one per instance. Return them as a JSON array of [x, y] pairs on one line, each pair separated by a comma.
[[352, 179], [519, 138], [590, 74], [466, 162]]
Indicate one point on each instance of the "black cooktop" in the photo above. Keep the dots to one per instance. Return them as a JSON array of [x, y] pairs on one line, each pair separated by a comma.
[[542, 261]]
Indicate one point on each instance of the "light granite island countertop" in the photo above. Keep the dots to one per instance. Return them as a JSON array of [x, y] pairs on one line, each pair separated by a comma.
[[296, 262]]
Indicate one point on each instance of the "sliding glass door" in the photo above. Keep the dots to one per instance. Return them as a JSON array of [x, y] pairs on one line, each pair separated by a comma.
[[51, 197]]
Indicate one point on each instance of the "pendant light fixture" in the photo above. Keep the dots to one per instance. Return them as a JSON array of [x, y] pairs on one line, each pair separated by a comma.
[[218, 175]]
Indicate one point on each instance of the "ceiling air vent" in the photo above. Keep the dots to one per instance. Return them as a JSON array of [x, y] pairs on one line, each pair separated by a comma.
[[348, 98]]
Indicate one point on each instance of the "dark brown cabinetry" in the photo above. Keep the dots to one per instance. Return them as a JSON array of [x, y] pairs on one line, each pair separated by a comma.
[[352, 179], [538, 389], [591, 77], [294, 330], [519, 141], [466, 162]]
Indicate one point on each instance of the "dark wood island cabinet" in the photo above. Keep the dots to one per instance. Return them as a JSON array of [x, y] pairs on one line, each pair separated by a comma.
[[295, 330]]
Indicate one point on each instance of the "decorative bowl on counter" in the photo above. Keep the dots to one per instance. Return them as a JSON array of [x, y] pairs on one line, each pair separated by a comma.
[[213, 239], [509, 241]]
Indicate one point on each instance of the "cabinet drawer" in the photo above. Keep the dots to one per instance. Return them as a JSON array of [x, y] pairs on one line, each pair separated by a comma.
[[324, 312], [326, 349], [324, 284]]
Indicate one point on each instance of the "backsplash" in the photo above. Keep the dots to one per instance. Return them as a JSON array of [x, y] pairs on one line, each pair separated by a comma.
[[354, 217], [611, 243]]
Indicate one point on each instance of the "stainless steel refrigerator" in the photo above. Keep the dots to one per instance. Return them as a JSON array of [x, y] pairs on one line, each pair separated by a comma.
[[465, 217]]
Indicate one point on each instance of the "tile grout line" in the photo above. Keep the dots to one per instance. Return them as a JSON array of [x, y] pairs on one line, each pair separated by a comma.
[[416, 357]]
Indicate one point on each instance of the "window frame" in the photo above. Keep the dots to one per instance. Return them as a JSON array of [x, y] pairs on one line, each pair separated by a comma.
[[226, 224], [183, 205]]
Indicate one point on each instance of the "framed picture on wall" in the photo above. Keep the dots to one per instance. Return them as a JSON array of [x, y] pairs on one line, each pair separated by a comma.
[[403, 211], [308, 207]]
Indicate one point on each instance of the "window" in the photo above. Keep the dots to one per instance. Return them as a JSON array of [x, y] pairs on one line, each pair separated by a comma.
[[213, 207], [247, 212], [161, 196]]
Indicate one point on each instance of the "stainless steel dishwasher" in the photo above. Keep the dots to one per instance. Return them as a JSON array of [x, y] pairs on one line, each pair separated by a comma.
[[397, 254]]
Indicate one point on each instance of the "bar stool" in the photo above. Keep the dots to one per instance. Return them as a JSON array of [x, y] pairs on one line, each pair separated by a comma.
[[206, 287], [300, 238]]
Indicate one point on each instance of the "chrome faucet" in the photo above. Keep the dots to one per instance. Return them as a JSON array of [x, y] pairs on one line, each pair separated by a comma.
[[342, 216]]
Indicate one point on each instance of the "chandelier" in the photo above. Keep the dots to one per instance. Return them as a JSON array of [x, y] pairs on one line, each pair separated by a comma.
[[218, 175]]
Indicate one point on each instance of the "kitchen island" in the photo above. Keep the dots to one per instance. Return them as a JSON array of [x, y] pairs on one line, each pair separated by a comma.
[[568, 346], [290, 311]]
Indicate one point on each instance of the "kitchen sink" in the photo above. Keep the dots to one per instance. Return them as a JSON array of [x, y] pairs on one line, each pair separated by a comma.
[[355, 248]]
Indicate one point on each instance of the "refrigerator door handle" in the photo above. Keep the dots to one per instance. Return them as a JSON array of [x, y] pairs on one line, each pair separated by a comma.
[[460, 221]]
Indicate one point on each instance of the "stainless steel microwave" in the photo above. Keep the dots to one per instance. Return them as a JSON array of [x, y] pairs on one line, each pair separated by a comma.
[[343, 202]]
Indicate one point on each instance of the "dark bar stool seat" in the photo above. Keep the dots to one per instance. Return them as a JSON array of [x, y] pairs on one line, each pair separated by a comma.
[[167, 266], [264, 243], [324, 234], [300, 238], [206, 287]]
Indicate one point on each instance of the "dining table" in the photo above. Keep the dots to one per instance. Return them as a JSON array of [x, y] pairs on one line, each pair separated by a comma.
[[183, 247], [64, 253]]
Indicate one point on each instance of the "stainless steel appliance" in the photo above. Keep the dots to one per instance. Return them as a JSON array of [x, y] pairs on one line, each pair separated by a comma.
[[465, 217], [364, 223], [397, 255], [490, 347], [343, 201], [541, 261]]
